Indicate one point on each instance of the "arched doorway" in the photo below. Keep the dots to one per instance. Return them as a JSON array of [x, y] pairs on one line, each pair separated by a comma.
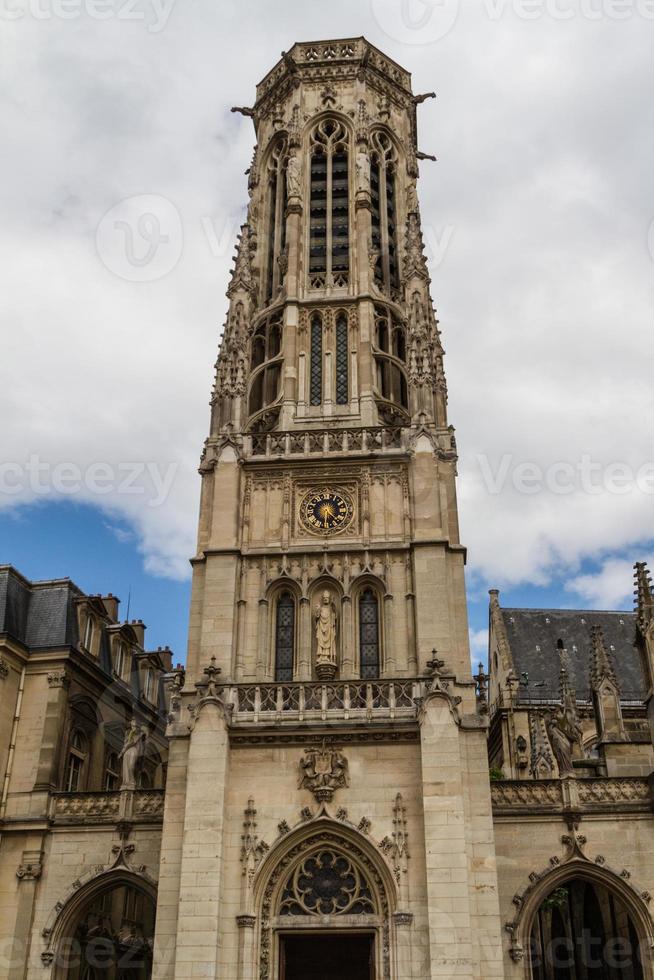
[[109, 935], [583, 930], [326, 908]]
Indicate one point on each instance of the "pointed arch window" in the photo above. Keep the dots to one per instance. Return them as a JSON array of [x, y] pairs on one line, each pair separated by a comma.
[[284, 638], [369, 634], [576, 931], [383, 168], [342, 360], [329, 248], [316, 360], [275, 217]]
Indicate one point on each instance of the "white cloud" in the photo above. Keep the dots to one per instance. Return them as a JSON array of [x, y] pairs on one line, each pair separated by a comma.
[[611, 587], [478, 646], [544, 289]]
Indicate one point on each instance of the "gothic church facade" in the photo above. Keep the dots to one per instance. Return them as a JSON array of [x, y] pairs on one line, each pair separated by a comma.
[[343, 798]]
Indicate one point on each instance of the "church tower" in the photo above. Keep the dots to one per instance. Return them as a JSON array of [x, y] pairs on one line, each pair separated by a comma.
[[328, 799]]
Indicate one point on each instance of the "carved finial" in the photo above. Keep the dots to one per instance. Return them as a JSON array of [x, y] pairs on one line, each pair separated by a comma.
[[435, 665], [601, 662]]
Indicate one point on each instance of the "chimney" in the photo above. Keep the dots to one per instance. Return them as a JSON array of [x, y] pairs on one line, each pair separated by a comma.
[[139, 628], [111, 603]]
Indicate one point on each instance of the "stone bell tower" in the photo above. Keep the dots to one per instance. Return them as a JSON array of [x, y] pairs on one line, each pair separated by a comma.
[[327, 798]]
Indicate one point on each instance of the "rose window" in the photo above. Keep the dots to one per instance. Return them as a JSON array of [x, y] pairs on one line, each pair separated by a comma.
[[327, 883]]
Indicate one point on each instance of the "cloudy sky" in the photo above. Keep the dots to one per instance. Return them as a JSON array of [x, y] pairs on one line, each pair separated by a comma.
[[539, 226]]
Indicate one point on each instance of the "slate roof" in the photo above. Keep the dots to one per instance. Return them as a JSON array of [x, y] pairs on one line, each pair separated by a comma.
[[533, 636], [38, 614]]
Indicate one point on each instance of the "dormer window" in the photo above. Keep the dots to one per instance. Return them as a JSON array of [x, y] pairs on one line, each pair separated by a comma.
[[120, 660], [149, 686], [89, 631]]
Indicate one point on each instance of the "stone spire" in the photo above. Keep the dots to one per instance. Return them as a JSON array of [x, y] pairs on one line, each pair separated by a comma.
[[644, 596]]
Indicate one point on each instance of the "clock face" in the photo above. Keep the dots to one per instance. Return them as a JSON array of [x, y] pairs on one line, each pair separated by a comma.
[[326, 510]]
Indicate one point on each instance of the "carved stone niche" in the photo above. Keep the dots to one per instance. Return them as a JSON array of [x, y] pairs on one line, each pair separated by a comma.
[[323, 770]]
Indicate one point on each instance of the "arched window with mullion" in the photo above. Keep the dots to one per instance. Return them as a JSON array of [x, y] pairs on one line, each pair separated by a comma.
[[329, 222], [369, 658], [384, 213], [342, 359], [284, 638], [276, 217]]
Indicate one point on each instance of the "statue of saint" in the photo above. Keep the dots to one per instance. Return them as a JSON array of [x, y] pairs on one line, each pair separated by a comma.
[[131, 752], [412, 197], [326, 632], [294, 176], [564, 733], [362, 163]]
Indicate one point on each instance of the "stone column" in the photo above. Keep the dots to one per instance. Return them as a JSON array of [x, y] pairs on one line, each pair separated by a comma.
[[347, 649], [201, 867], [304, 642], [28, 873], [462, 942], [172, 837]]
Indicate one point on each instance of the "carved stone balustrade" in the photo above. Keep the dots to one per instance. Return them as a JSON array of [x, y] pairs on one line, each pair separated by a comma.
[[326, 442], [339, 701], [93, 808], [519, 797]]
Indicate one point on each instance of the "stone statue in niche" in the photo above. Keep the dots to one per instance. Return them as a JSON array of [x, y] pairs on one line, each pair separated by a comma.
[[131, 754], [362, 163], [294, 176], [326, 624], [564, 733]]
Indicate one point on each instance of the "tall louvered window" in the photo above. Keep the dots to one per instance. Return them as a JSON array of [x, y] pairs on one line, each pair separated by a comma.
[[329, 246], [284, 638], [369, 634], [342, 357], [276, 220], [316, 360], [384, 213]]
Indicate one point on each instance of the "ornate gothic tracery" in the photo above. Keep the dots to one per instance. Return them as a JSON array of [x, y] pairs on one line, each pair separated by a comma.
[[327, 883]]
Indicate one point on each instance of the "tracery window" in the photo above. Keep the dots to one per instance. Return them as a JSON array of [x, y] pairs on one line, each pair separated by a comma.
[[266, 349], [284, 638], [316, 360], [578, 931], [342, 359], [390, 357], [75, 764], [327, 883], [369, 635], [329, 248], [276, 216], [383, 168]]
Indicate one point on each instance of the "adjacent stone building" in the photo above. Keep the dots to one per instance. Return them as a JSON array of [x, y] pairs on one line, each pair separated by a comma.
[[343, 798]]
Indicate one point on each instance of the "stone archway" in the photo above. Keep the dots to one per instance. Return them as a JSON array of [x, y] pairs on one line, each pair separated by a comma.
[[105, 929], [554, 887], [324, 881]]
